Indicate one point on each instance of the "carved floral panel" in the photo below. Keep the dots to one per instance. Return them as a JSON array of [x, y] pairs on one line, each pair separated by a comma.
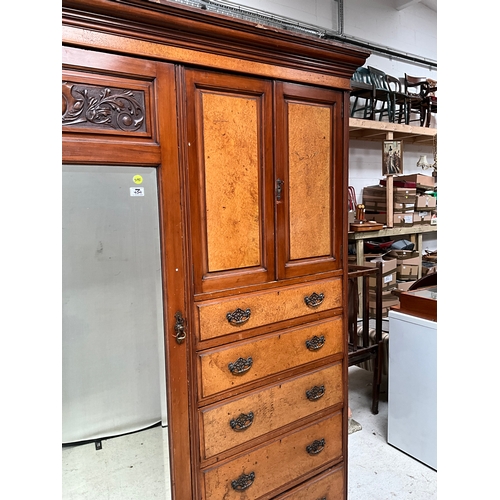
[[103, 107]]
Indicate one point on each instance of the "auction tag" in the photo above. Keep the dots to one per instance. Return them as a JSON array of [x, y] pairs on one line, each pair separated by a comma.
[[137, 191], [137, 179]]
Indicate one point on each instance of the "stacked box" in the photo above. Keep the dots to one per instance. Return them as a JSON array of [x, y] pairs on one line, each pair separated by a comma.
[[408, 264], [375, 202], [389, 268], [421, 181], [374, 199], [388, 300]]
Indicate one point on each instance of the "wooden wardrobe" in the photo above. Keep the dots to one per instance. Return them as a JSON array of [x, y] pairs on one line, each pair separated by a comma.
[[247, 126]]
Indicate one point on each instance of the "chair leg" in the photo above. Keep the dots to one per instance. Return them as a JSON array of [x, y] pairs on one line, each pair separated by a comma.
[[378, 363]]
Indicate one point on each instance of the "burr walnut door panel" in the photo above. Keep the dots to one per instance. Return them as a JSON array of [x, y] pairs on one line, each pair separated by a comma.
[[229, 141], [309, 171]]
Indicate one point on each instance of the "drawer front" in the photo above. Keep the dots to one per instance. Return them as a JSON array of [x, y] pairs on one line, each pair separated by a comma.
[[258, 413], [327, 486], [225, 368], [226, 316], [287, 459]]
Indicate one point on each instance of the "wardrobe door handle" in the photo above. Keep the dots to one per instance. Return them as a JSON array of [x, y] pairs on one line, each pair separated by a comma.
[[315, 343], [243, 482], [244, 421], [316, 447], [314, 300], [240, 366], [238, 316], [315, 393]]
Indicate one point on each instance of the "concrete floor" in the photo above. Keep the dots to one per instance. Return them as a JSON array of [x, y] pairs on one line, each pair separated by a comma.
[[135, 467], [377, 470]]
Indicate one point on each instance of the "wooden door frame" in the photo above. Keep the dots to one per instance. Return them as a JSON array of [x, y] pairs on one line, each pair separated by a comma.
[[158, 149]]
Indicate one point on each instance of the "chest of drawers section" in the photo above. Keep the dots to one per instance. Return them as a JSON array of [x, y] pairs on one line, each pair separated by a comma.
[[270, 372]]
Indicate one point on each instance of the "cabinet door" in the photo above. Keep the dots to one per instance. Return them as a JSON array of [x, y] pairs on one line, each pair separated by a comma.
[[229, 150], [309, 179]]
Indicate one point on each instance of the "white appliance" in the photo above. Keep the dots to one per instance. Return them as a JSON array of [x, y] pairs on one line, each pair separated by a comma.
[[412, 382]]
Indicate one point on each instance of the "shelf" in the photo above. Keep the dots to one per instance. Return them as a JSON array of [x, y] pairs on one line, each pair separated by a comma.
[[415, 232], [373, 130], [394, 231]]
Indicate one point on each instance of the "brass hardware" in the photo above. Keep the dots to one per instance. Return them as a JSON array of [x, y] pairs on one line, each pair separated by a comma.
[[315, 393], [238, 317], [240, 366], [243, 482], [316, 447], [180, 332], [314, 300], [315, 343], [279, 189], [244, 421]]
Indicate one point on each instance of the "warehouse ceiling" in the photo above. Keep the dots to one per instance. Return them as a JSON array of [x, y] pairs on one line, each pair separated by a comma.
[[402, 4]]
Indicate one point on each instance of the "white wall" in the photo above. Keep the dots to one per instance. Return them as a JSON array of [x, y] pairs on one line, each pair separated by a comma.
[[412, 30]]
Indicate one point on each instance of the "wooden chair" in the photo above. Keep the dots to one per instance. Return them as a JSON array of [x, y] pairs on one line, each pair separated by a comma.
[[363, 91], [421, 99], [362, 347], [382, 94], [399, 99]]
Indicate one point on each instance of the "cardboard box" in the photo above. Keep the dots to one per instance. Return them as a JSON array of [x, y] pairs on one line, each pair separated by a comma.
[[403, 220], [404, 195], [388, 300], [404, 286], [420, 180], [422, 217], [425, 202], [407, 257], [389, 269], [407, 272], [404, 207]]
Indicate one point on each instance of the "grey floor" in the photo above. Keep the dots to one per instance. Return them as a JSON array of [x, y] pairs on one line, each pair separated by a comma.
[[377, 470], [135, 467]]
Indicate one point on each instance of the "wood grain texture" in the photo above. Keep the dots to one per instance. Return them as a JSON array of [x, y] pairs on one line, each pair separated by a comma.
[[280, 351], [330, 485], [309, 129], [266, 307], [278, 463], [272, 407], [232, 188]]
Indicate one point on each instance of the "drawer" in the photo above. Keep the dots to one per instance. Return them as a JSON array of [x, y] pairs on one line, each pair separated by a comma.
[[260, 412], [327, 486], [233, 315], [294, 455], [225, 368]]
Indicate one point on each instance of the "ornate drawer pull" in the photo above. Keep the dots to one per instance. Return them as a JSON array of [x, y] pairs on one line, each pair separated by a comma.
[[315, 343], [243, 482], [240, 366], [244, 421], [314, 300], [316, 446], [315, 393], [238, 317], [322, 498]]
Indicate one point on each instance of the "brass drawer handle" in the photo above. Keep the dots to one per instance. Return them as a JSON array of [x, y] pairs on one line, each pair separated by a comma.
[[315, 393], [314, 300], [244, 421], [315, 343], [240, 366], [243, 482], [238, 317], [316, 447]]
